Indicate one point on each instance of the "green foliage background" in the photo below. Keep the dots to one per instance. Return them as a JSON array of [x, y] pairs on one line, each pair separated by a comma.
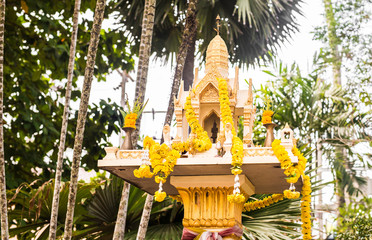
[[37, 36]]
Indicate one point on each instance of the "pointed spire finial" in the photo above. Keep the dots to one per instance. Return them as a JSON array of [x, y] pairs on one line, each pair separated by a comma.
[[218, 20]]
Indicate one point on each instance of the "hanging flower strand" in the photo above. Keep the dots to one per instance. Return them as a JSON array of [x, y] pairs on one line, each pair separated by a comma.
[[201, 142], [144, 170], [293, 173], [237, 144], [163, 159]]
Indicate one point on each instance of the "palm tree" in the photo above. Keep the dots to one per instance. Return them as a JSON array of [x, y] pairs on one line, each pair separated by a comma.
[[119, 230], [71, 64], [88, 78], [142, 229], [333, 41], [143, 58], [277, 221], [326, 120], [269, 25], [123, 206], [187, 40], [31, 208], [3, 199], [141, 81]]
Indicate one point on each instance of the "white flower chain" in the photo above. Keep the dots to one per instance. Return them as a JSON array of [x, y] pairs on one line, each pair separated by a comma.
[[236, 185]]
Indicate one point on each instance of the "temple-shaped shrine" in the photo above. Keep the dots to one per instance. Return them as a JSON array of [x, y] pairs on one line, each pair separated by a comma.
[[204, 96], [203, 180]]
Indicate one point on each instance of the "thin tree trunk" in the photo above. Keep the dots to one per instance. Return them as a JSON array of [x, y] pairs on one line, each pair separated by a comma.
[[187, 37], [119, 230], [145, 218], [333, 41], [188, 70], [122, 214], [143, 59], [62, 141], [3, 199], [336, 68], [88, 77]]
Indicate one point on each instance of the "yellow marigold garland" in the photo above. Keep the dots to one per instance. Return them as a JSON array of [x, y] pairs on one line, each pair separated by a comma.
[[293, 173], [267, 201], [202, 142], [305, 208], [291, 194], [144, 170], [180, 146], [237, 144], [163, 159]]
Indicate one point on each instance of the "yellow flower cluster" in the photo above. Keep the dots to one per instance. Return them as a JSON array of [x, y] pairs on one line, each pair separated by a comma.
[[143, 172], [148, 142], [163, 160], [130, 120], [237, 144], [180, 146], [202, 142], [160, 196], [266, 116], [237, 154], [293, 173], [236, 198], [225, 103], [305, 208], [300, 168], [267, 201], [291, 194]]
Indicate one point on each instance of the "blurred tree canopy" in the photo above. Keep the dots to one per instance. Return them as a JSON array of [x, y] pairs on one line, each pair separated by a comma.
[[37, 36], [252, 30], [353, 39]]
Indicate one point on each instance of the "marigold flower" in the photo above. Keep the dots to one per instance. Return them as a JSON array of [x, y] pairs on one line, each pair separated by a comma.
[[130, 120], [160, 196]]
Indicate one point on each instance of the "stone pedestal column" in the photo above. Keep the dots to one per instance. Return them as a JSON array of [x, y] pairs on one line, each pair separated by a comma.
[[205, 201], [179, 136]]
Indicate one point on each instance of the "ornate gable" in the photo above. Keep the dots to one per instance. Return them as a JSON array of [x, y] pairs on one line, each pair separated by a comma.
[[209, 94]]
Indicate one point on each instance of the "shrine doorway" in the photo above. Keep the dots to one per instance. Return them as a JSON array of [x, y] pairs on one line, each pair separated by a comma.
[[211, 125]]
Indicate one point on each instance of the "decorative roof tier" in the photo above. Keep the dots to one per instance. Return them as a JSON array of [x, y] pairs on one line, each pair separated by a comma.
[[217, 57], [205, 97]]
